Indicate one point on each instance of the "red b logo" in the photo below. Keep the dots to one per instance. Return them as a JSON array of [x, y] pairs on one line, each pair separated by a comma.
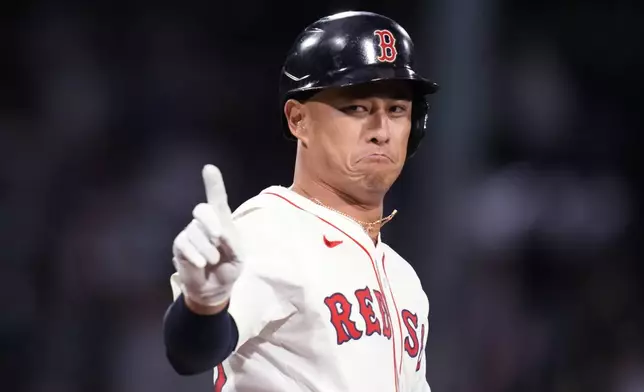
[[387, 43]]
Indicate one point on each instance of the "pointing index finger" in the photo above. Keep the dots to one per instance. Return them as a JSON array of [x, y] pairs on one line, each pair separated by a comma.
[[215, 190]]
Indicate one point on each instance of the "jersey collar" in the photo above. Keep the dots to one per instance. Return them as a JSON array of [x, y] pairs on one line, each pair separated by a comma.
[[344, 224]]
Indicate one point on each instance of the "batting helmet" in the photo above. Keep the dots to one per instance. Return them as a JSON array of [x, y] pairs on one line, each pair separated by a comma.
[[352, 48]]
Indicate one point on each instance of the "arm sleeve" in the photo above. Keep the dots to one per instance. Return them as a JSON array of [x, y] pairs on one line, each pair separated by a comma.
[[196, 343]]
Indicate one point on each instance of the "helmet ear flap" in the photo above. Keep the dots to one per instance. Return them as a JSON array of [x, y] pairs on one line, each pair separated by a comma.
[[419, 114]]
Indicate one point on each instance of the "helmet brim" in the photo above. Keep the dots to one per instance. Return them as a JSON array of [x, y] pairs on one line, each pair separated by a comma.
[[364, 75]]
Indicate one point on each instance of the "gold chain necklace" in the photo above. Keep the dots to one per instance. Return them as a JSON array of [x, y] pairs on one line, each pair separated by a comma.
[[366, 226]]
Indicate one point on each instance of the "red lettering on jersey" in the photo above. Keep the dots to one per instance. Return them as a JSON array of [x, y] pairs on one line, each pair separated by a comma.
[[221, 378], [340, 309], [366, 310], [411, 323], [387, 44], [384, 311], [422, 341]]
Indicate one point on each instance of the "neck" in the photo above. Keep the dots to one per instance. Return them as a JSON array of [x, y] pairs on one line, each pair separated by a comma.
[[341, 201]]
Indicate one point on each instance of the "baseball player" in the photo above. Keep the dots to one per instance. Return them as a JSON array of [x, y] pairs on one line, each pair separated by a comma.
[[296, 290]]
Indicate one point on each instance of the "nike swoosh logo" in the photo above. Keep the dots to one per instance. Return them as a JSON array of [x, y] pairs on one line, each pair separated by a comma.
[[331, 244], [295, 78]]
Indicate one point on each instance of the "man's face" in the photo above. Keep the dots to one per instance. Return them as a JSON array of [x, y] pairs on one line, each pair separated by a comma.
[[360, 133]]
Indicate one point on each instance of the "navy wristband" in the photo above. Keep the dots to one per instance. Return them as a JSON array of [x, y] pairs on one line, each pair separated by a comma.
[[197, 343]]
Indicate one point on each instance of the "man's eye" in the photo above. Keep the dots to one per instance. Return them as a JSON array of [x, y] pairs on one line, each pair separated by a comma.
[[398, 109], [354, 109]]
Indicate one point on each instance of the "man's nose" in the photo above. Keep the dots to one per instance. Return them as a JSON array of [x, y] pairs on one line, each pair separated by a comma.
[[379, 132]]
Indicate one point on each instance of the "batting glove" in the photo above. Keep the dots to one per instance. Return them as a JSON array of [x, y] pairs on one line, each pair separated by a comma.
[[207, 253]]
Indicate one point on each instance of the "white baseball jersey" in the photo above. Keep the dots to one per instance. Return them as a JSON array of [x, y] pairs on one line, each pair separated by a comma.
[[319, 307]]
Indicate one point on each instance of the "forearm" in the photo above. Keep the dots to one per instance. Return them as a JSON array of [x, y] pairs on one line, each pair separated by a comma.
[[196, 343]]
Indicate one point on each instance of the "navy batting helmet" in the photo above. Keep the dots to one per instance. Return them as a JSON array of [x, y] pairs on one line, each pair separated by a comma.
[[352, 48]]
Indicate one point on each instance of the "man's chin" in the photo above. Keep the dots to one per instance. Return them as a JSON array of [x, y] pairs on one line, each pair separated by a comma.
[[379, 181]]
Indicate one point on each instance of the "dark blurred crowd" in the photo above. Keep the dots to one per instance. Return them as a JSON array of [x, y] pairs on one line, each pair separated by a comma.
[[530, 253]]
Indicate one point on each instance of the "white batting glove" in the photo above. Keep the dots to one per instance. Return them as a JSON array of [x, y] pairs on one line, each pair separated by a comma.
[[207, 252]]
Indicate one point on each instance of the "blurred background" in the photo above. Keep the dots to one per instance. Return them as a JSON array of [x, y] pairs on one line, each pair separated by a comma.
[[521, 212]]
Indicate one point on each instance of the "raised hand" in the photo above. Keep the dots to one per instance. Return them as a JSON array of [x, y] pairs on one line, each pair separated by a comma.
[[207, 253]]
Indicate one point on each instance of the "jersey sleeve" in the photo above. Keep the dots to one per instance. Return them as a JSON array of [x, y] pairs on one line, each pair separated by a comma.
[[269, 281], [269, 284], [422, 385]]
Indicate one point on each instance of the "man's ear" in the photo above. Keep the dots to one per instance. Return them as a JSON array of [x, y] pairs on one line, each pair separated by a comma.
[[296, 113]]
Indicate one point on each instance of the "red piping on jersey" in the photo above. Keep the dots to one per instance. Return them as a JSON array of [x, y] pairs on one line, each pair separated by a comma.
[[375, 270], [397, 312]]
